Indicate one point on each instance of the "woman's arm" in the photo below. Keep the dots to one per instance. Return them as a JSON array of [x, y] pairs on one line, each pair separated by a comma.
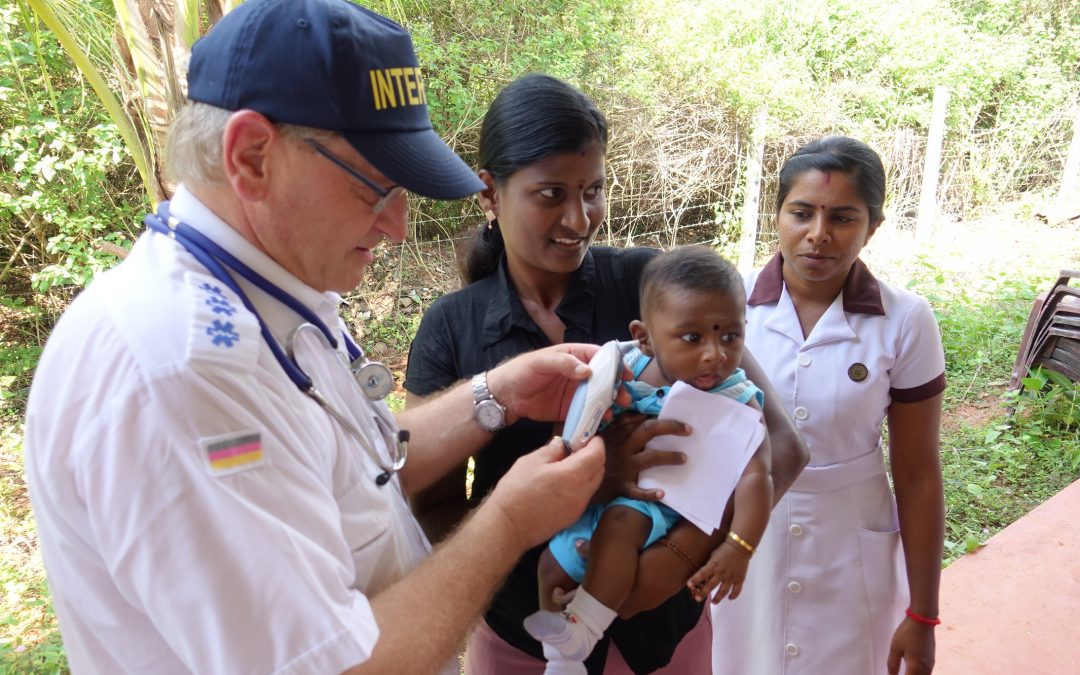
[[788, 451], [442, 505], [914, 455]]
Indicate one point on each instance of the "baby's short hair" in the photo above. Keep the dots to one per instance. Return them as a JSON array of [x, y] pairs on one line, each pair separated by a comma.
[[694, 268]]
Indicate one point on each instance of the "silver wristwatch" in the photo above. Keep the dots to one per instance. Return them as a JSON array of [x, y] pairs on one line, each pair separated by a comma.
[[488, 413]]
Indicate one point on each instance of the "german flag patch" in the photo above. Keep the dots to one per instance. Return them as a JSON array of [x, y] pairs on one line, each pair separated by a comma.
[[234, 452]]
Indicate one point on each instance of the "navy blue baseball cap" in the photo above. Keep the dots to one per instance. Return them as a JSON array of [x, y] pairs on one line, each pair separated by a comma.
[[331, 64]]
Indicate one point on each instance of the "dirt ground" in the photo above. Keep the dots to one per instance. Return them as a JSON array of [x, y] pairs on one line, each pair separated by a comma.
[[1029, 238]]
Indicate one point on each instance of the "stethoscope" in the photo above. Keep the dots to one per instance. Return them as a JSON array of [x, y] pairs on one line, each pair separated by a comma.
[[373, 378]]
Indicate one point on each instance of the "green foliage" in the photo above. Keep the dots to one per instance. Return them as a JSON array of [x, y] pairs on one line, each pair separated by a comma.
[[1000, 465], [66, 182], [469, 51], [68, 185], [1049, 403], [30, 651], [981, 322], [866, 68], [996, 474], [29, 637]]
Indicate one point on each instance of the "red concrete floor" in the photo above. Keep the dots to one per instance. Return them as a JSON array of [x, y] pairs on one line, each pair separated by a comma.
[[1013, 607]]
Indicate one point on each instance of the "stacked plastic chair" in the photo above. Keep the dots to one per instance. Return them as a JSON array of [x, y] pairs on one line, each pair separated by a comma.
[[1052, 335]]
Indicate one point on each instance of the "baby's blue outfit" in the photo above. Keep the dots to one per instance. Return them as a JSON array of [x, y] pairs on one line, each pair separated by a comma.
[[649, 400]]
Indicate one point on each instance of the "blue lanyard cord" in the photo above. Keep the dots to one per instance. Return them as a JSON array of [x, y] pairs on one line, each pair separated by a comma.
[[202, 241], [354, 349], [157, 223], [209, 245], [215, 259]]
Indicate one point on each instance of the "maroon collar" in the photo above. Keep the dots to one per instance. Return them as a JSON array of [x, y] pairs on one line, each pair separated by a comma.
[[862, 295]]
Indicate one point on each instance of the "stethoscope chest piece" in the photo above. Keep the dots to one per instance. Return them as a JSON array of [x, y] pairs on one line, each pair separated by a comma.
[[374, 378]]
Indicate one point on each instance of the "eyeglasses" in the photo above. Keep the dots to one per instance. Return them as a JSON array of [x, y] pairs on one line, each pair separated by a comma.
[[386, 195]]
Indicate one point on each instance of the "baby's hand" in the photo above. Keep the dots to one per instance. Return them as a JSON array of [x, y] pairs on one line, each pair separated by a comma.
[[725, 568]]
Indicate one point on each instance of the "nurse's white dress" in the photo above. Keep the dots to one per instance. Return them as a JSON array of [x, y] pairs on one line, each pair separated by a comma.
[[826, 588]]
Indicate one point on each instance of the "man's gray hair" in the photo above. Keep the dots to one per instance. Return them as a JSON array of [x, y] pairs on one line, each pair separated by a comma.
[[193, 152]]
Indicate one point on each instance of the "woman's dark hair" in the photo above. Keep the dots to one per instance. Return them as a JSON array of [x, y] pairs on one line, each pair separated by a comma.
[[839, 153], [533, 117], [693, 268]]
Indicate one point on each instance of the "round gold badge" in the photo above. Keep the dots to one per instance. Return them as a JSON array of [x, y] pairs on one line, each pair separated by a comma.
[[857, 372]]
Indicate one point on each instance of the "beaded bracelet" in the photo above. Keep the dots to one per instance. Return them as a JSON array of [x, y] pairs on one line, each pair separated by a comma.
[[741, 542], [679, 552], [924, 620]]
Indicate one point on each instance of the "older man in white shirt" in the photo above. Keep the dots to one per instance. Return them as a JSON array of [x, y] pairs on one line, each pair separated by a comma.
[[215, 490]]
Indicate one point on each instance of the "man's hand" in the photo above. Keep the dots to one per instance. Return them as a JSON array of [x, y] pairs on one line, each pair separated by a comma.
[[626, 439], [539, 384], [542, 493], [546, 491]]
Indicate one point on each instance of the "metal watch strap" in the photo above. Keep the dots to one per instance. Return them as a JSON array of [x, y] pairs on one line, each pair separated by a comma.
[[488, 413], [480, 389]]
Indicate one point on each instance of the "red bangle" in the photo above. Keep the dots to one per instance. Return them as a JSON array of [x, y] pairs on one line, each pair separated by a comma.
[[926, 621]]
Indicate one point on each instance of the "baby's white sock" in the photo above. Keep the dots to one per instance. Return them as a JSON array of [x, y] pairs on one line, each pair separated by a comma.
[[574, 632], [558, 665]]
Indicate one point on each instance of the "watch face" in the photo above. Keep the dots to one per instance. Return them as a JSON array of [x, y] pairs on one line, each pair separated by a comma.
[[489, 415]]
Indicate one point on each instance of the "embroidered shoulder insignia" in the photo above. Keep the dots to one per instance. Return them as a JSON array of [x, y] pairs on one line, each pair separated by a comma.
[[221, 331]]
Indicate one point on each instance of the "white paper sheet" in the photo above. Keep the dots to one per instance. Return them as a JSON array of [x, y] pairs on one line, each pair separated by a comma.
[[725, 436]]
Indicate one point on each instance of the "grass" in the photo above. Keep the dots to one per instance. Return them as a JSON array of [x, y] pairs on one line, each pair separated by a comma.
[[29, 638], [996, 466], [981, 276]]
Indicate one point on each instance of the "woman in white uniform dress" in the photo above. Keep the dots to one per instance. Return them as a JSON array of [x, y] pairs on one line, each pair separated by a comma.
[[845, 580]]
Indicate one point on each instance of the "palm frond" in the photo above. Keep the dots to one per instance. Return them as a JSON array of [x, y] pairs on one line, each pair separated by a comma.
[[136, 62], [82, 46], [187, 22]]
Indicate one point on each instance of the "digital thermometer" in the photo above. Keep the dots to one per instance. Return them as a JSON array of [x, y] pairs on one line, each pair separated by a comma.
[[595, 395]]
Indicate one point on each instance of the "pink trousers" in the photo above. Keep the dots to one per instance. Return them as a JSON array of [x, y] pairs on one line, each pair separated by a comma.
[[488, 654]]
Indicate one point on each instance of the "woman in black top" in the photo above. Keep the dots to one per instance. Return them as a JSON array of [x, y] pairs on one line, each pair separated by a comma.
[[533, 280]]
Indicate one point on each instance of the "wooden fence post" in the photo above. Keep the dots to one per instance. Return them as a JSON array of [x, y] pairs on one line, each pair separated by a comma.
[[1072, 163], [924, 224], [752, 192]]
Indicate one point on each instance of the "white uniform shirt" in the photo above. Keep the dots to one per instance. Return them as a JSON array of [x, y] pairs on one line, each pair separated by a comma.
[[197, 512], [827, 587]]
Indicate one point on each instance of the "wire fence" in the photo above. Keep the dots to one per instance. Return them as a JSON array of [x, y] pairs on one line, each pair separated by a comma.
[[683, 183]]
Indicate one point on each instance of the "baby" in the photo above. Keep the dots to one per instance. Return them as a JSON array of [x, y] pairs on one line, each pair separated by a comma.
[[692, 307]]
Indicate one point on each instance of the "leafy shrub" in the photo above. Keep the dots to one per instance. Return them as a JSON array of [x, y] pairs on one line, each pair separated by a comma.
[[997, 469], [66, 182]]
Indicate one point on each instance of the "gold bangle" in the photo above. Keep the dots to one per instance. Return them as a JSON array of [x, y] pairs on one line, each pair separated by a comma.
[[741, 542], [679, 552]]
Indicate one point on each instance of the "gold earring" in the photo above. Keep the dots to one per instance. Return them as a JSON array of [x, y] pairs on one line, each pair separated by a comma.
[[490, 215]]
